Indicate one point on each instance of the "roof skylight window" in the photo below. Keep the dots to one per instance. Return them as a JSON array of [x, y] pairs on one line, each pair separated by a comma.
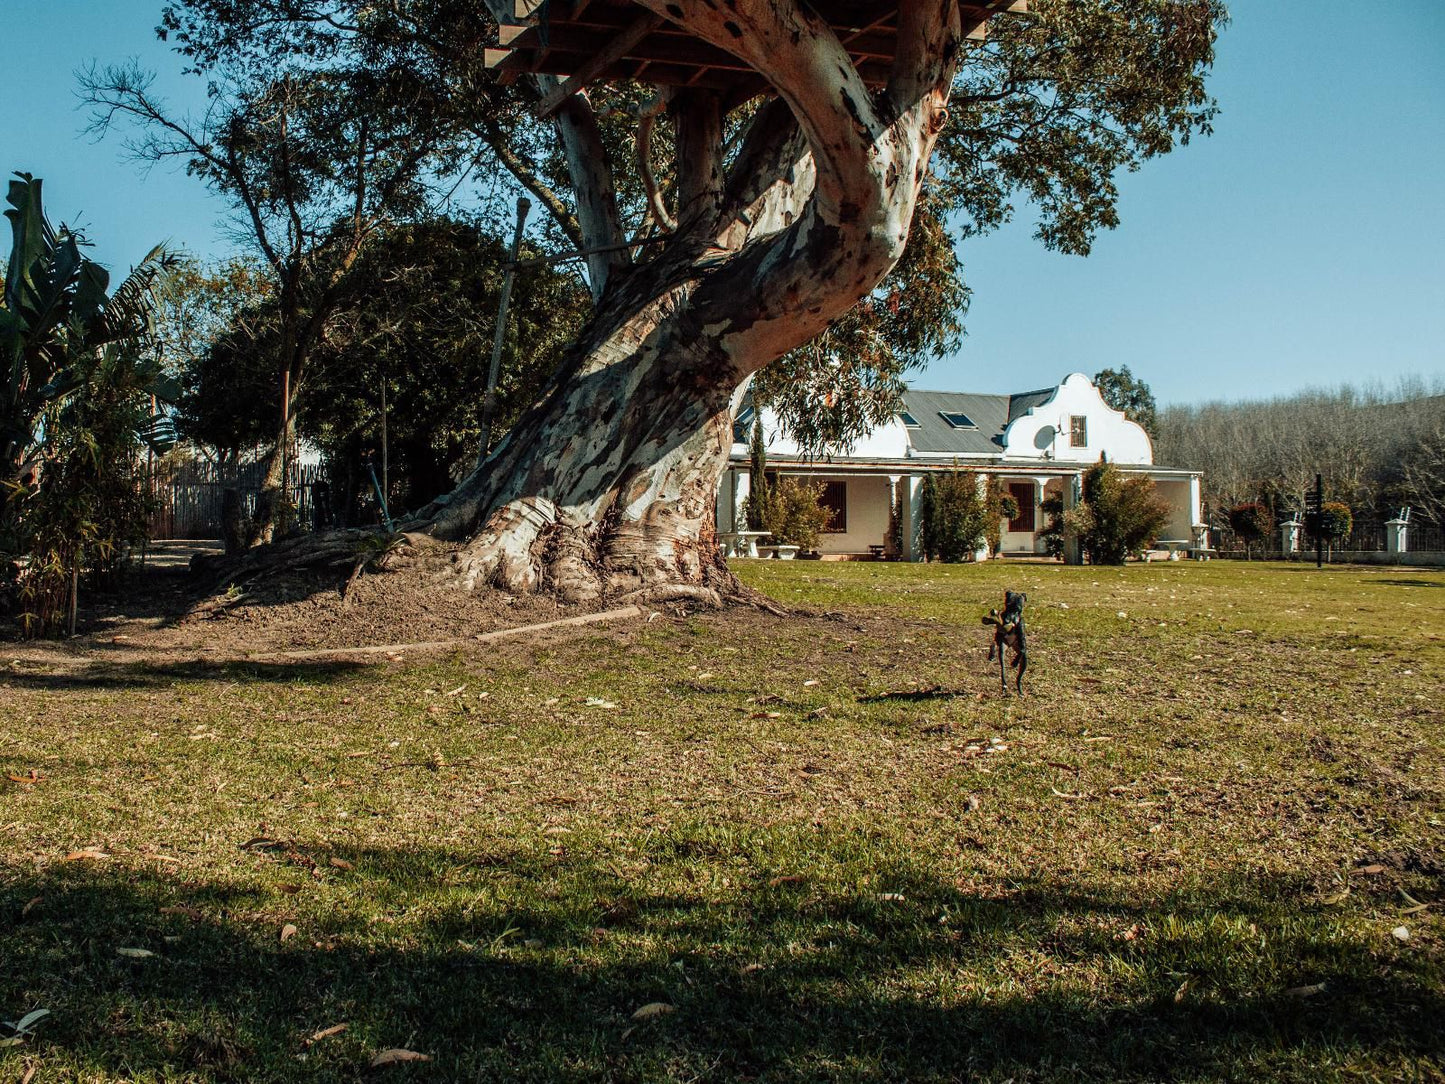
[[957, 420], [908, 420]]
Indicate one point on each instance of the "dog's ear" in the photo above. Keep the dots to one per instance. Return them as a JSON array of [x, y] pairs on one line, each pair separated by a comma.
[[1023, 598]]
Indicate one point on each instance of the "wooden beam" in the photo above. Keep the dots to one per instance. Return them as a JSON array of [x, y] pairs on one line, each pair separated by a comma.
[[599, 62]]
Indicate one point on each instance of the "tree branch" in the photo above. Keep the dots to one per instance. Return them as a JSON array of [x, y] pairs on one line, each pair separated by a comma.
[[698, 118], [590, 171], [646, 120], [798, 53], [492, 134]]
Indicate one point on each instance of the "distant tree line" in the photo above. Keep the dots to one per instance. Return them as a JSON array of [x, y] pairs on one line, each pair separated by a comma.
[[1377, 448]]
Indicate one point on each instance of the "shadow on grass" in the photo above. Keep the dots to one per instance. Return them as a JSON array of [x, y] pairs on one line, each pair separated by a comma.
[[915, 695], [107, 675], [526, 966], [1407, 583]]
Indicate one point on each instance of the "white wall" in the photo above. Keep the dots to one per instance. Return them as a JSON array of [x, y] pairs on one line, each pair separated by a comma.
[[1043, 432], [867, 504], [888, 441]]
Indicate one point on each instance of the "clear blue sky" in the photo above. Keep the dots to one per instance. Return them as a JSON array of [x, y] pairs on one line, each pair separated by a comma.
[[1302, 244]]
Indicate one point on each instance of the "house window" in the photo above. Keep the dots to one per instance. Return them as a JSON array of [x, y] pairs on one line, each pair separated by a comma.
[[957, 420], [908, 420], [1023, 493], [834, 497], [1078, 431]]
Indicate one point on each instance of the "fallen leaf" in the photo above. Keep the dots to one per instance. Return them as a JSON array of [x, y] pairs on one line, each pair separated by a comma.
[[33, 777], [341, 863], [653, 1008], [1400, 933], [1371, 870], [34, 903], [1179, 993], [326, 1033], [766, 715], [1338, 897], [396, 1055], [811, 682], [135, 953], [790, 879], [290, 890], [184, 912], [598, 702], [86, 855], [705, 675], [288, 931], [1306, 991], [891, 897], [1415, 910]]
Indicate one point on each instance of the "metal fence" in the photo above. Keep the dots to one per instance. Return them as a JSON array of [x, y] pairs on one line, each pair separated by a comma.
[[188, 501], [1363, 538]]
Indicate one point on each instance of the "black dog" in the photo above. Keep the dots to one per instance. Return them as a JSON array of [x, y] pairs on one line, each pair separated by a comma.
[[1008, 631]]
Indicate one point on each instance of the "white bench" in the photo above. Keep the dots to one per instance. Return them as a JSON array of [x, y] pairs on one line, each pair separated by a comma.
[[740, 543], [782, 553]]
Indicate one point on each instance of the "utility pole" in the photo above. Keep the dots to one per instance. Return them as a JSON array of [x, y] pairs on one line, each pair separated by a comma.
[[489, 404]]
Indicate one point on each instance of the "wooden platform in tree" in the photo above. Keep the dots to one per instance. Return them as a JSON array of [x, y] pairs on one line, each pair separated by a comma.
[[588, 41]]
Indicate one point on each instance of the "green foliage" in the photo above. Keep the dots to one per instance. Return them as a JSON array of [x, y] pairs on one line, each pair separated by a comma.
[[1117, 516], [792, 515], [1251, 521], [955, 516], [757, 499], [1120, 389], [1336, 521], [1054, 530], [89, 504], [81, 368], [417, 314], [55, 315], [850, 379]]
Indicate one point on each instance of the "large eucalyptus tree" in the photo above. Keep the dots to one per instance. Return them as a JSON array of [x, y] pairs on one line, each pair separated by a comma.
[[725, 225]]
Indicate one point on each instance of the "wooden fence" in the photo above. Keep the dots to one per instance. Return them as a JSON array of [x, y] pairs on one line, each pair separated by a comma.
[[188, 501]]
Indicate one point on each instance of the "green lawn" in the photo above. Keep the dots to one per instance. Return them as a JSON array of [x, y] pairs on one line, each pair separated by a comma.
[[827, 843]]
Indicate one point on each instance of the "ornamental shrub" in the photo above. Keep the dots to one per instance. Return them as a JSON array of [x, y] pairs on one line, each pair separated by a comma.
[[955, 516], [1118, 515], [1251, 523], [1335, 523], [792, 515]]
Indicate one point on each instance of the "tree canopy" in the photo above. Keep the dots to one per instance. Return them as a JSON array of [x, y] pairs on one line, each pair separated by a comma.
[[807, 211]]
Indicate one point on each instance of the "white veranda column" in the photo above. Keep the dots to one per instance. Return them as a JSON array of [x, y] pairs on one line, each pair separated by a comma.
[[911, 499]]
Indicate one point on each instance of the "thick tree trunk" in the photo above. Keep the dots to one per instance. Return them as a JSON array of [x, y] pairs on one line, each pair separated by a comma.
[[607, 487]]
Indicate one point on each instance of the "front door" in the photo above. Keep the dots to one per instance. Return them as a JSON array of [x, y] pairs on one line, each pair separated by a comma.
[[1023, 493]]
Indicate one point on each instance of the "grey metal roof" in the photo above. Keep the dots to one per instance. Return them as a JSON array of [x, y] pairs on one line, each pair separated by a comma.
[[1019, 404], [934, 436]]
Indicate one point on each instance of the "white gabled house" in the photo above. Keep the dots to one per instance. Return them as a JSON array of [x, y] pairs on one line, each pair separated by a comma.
[[1035, 444]]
